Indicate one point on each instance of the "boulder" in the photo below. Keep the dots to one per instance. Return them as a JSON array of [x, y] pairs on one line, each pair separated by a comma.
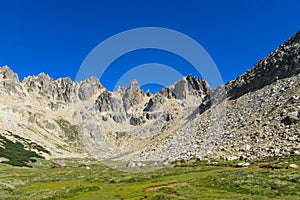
[[293, 166], [136, 120], [3, 159], [119, 118], [131, 164]]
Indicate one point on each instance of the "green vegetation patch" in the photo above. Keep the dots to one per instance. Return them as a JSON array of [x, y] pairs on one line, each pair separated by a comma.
[[71, 131], [29, 143], [16, 153], [268, 183], [184, 180], [120, 135], [68, 193]]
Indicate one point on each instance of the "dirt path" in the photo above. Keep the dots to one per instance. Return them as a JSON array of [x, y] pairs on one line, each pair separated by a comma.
[[171, 185]]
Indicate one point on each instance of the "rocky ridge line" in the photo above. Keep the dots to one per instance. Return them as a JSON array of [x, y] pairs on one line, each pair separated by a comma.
[[259, 117]]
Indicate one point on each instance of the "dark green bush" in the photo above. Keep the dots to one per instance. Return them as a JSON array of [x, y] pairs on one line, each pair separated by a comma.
[[16, 153]]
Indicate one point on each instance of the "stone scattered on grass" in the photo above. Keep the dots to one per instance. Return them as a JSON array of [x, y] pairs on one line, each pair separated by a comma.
[[3, 160], [293, 166], [243, 164]]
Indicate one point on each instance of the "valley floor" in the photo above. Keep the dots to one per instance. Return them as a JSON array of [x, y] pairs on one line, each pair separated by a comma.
[[86, 179]]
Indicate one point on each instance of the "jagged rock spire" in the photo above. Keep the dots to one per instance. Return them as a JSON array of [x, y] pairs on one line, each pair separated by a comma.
[[133, 95], [9, 81]]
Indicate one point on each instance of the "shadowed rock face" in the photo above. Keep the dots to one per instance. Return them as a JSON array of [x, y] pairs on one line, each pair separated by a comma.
[[106, 102], [118, 104], [41, 84], [46, 87], [197, 85], [155, 104]]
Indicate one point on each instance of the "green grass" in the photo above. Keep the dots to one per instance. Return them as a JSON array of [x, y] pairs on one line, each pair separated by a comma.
[[190, 180]]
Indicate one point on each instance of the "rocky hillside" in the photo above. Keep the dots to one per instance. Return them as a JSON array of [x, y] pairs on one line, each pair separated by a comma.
[[256, 115], [282, 63], [253, 116]]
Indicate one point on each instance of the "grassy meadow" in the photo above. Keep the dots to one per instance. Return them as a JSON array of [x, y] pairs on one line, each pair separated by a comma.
[[90, 179]]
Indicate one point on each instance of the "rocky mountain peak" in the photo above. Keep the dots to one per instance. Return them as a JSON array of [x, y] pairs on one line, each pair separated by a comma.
[[9, 81], [62, 89], [43, 76], [134, 85], [187, 86], [295, 39], [197, 84], [7, 73], [42, 85], [133, 95], [89, 88], [190, 91]]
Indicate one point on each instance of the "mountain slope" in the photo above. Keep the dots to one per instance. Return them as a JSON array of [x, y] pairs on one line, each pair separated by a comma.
[[282, 63]]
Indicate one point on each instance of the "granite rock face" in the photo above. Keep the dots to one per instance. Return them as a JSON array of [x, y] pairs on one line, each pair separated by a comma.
[[155, 104], [44, 86], [132, 96], [88, 88], [9, 81], [186, 87], [63, 89], [105, 102]]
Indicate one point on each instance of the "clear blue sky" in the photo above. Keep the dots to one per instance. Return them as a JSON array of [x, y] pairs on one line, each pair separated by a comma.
[[55, 36]]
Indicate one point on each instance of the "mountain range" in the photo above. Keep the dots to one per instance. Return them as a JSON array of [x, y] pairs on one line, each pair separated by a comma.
[[254, 116]]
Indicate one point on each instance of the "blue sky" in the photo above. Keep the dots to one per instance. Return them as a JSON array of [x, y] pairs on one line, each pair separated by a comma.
[[56, 36]]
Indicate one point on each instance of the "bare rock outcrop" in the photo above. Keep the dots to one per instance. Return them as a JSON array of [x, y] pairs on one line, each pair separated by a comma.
[[187, 86], [133, 95], [89, 88], [282, 63], [9, 81]]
